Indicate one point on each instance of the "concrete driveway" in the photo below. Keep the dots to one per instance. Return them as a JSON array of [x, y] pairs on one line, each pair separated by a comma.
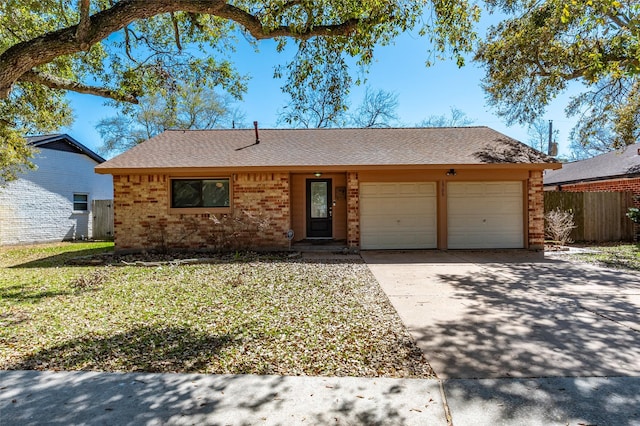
[[514, 313]]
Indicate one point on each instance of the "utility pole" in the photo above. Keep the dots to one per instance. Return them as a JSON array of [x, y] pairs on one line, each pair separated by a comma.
[[552, 149]]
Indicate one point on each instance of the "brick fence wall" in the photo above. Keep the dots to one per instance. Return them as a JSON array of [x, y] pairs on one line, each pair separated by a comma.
[[611, 185], [353, 210], [259, 217], [536, 210]]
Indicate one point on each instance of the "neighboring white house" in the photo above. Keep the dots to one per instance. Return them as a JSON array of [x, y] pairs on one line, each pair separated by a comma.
[[53, 202]]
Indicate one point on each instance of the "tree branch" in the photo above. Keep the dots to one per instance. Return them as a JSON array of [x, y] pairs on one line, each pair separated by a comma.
[[127, 45], [55, 82], [176, 31], [24, 56], [5, 122], [82, 29]]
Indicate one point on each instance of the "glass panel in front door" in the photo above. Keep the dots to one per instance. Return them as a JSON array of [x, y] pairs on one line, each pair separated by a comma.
[[319, 208]]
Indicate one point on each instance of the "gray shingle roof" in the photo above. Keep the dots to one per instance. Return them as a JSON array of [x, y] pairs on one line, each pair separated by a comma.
[[619, 163], [325, 147], [39, 138], [62, 142]]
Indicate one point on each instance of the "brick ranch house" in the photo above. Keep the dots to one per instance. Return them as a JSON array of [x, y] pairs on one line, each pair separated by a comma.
[[616, 171], [409, 188]]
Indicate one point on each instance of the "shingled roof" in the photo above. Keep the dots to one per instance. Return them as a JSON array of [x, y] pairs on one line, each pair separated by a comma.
[[615, 164], [62, 142], [289, 148]]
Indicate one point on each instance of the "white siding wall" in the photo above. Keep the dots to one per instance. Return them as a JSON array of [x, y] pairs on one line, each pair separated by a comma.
[[39, 205]]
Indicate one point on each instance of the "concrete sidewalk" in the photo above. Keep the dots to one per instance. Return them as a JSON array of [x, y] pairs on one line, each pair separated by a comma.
[[77, 398], [86, 398]]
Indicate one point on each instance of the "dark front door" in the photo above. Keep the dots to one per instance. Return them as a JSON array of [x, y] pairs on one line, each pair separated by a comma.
[[319, 205]]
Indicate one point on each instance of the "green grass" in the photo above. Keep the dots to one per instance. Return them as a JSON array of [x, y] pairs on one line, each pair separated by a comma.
[[622, 256], [44, 255], [258, 316]]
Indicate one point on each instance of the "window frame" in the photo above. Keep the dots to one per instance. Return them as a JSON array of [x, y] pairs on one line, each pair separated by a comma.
[[199, 210], [74, 202]]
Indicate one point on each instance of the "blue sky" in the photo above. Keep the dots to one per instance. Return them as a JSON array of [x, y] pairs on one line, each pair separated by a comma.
[[398, 68]]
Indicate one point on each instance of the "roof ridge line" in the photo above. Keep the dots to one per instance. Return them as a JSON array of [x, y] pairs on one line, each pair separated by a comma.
[[330, 128]]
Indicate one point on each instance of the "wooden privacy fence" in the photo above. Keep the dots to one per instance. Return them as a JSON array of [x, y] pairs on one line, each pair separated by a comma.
[[599, 216], [102, 211]]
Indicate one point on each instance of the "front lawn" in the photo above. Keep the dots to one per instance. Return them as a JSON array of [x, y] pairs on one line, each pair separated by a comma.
[[625, 256], [259, 315]]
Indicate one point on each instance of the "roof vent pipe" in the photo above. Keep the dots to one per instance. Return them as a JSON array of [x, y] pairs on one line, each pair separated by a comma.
[[255, 126]]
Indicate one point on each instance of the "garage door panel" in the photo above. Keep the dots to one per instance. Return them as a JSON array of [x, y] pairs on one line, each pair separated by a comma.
[[406, 225], [485, 215], [401, 224], [483, 212], [384, 214], [394, 240], [388, 204], [481, 189], [398, 215], [396, 207], [397, 190], [427, 189], [478, 240], [507, 223]]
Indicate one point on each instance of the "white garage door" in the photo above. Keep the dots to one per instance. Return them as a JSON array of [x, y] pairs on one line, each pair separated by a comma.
[[485, 215], [398, 215]]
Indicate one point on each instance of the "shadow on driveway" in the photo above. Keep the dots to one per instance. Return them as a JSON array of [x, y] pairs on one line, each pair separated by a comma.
[[514, 314], [520, 338], [545, 401]]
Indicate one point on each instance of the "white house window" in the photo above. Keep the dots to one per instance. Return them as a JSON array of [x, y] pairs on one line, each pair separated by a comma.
[[80, 202], [193, 193]]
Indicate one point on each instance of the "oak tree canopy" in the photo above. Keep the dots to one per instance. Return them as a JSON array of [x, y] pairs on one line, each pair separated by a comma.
[[545, 45], [122, 50]]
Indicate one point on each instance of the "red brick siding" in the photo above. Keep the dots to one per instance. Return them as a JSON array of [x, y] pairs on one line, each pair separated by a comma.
[[611, 185], [143, 221], [535, 212], [353, 210]]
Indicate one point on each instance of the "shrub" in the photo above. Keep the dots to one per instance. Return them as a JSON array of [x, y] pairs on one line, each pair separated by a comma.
[[558, 225], [634, 214], [234, 231]]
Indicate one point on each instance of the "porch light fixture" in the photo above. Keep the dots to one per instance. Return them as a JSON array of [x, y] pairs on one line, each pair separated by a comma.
[[451, 172], [317, 174]]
